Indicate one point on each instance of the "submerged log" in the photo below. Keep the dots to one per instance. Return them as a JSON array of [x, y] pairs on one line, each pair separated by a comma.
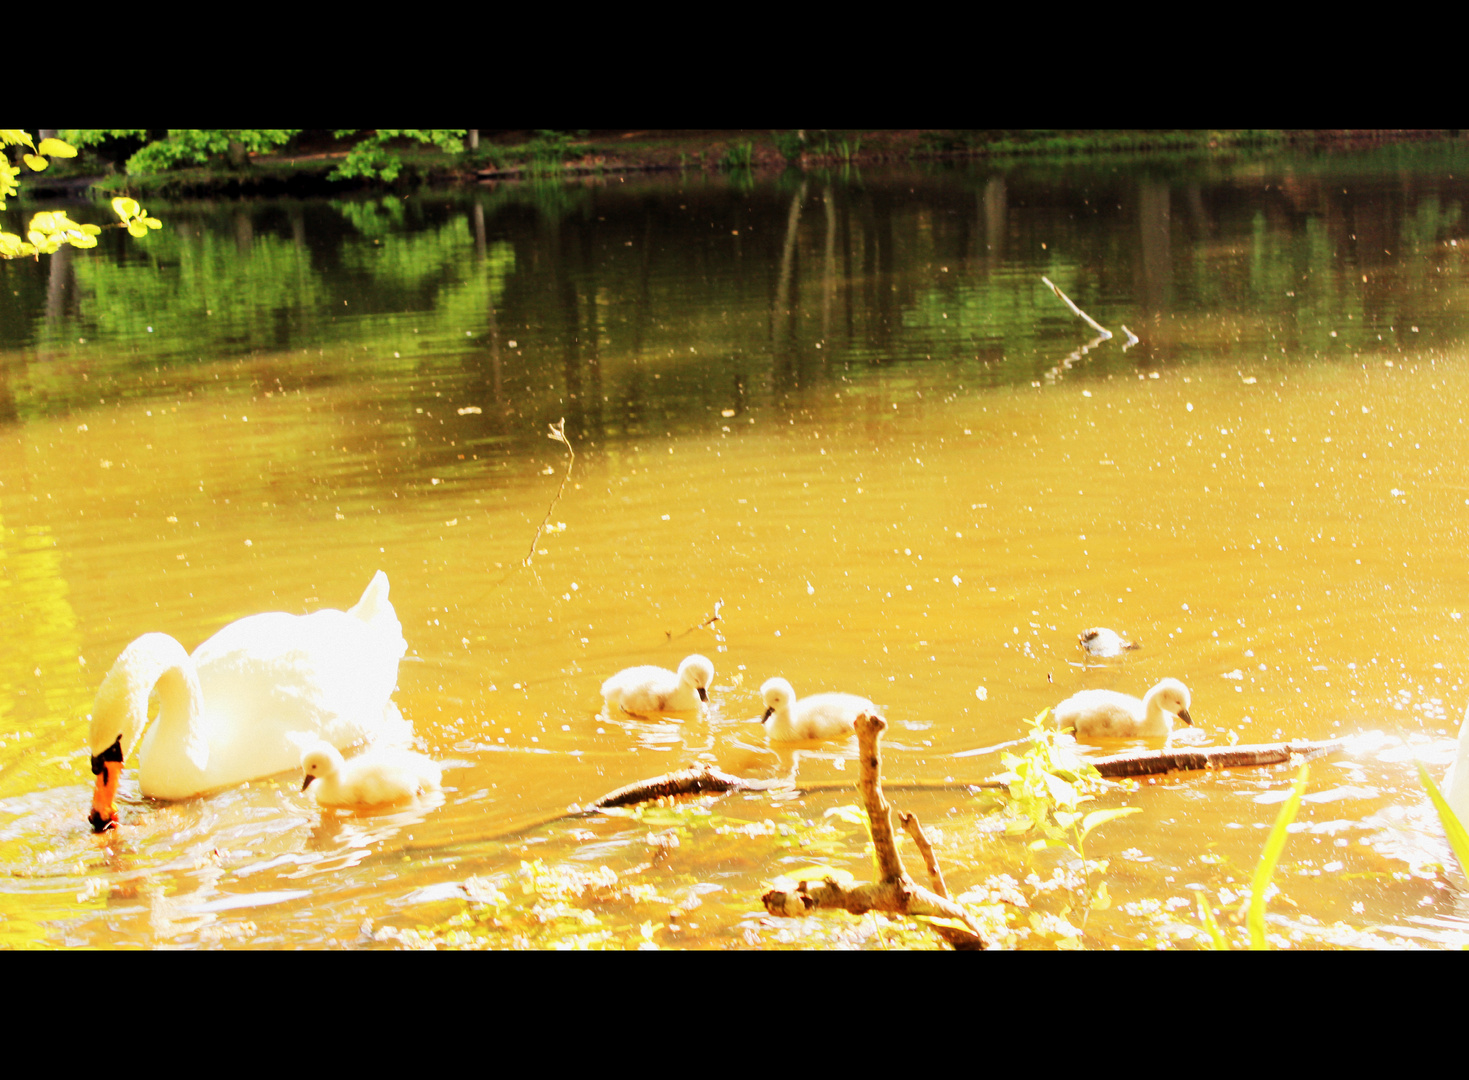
[[700, 779], [1153, 762], [895, 892], [706, 779]]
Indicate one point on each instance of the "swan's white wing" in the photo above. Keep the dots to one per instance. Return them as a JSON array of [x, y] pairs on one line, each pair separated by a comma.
[[267, 676]]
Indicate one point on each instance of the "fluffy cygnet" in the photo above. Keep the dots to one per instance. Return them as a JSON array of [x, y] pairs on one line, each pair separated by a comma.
[[1108, 714], [820, 716], [373, 779], [648, 689], [1099, 641]]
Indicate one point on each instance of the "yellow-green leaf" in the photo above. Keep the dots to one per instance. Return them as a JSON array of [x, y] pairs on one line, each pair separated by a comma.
[[15, 137], [35, 161], [56, 148], [1101, 817], [13, 247], [1458, 837], [1103, 899], [137, 228], [1273, 847], [1217, 940], [1062, 792], [939, 920], [125, 208]]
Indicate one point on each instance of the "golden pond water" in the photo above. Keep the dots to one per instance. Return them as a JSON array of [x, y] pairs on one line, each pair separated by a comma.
[[847, 412]]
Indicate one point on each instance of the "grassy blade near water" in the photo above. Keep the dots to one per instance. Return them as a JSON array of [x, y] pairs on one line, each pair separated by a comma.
[[1458, 837], [1273, 847]]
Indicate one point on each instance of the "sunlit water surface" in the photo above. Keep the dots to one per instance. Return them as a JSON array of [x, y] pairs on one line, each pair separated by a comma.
[[846, 415]]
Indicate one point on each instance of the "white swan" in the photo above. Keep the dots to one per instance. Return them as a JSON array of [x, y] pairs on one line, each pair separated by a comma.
[[247, 701], [1109, 714], [648, 689], [375, 778], [1456, 780], [820, 716], [1099, 641]]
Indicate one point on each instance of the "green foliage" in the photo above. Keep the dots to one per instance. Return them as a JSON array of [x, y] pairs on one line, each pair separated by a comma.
[[1217, 941], [549, 149], [134, 218], [739, 156], [1453, 827], [1268, 858], [371, 159], [190, 146], [791, 144], [1046, 785], [50, 230]]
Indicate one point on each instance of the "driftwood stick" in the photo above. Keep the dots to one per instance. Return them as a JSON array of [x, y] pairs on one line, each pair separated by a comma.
[[896, 893], [1152, 762], [869, 783], [915, 830], [1098, 327], [701, 779]]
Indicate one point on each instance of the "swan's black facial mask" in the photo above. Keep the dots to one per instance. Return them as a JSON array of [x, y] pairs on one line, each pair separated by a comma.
[[112, 753]]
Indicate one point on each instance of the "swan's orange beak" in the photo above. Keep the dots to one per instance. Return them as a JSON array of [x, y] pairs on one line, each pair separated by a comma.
[[108, 767], [703, 694], [307, 782], [1185, 717], [103, 815]]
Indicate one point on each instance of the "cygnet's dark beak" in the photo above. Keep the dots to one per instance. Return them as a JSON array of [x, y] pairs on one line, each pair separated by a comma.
[[1185, 717], [307, 782], [703, 694], [768, 711]]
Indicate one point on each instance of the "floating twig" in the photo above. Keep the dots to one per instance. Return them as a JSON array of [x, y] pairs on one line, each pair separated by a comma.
[[558, 434], [708, 622], [1098, 327]]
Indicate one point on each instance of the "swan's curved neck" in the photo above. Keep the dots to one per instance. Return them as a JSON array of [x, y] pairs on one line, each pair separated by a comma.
[[121, 709], [1154, 712]]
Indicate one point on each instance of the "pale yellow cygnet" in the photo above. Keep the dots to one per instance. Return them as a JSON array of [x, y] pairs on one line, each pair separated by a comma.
[[1108, 714], [649, 689], [820, 716], [373, 779]]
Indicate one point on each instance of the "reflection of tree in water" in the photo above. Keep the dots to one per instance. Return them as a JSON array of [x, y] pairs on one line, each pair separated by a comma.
[[660, 295], [553, 200]]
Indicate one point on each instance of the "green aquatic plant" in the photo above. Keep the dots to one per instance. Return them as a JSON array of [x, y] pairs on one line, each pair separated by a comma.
[[739, 156], [1453, 827], [1274, 844], [1264, 871], [1047, 783]]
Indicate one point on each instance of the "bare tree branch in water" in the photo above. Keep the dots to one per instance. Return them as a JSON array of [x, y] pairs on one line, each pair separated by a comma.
[[1098, 327], [708, 622], [704, 778], [895, 893], [558, 433]]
